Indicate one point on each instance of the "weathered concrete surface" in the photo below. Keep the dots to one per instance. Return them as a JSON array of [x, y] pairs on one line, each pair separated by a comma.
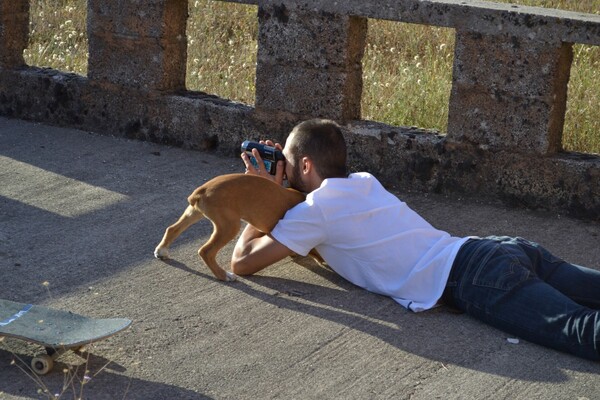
[[309, 63], [14, 21], [527, 80], [138, 44], [401, 156], [84, 213], [473, 15]]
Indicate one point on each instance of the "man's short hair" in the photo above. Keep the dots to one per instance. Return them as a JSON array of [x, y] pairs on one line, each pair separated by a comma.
[[321, 140]]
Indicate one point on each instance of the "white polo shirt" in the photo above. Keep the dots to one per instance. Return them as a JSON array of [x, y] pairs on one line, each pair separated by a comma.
[[371, 238]]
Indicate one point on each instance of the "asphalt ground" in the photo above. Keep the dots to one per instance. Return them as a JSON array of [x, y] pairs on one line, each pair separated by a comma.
[[81, 213]]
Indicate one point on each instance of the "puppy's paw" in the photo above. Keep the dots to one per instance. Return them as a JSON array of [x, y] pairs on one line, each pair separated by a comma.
[[231, 277], [161, 253]]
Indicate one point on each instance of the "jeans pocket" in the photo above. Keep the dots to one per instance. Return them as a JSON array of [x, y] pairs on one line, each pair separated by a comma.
[[503, 269]]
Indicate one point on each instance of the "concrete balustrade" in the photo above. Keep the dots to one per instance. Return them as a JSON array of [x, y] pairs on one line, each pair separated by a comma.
[[506, 112]]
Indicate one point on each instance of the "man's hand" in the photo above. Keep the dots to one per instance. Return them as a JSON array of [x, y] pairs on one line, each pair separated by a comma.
[[261, 170]]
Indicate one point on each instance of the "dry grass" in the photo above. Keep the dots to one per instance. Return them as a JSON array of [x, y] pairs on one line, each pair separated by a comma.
[[57, 35], [222, 49], [407, 68]]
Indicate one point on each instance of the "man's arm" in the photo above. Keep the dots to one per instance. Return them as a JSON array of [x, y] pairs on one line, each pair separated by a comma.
[[255, 250]]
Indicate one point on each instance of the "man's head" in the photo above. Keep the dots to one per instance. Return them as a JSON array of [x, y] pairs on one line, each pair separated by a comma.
[[316, 146]]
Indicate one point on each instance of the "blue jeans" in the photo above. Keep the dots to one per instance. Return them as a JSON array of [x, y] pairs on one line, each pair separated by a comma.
[[519, 287]]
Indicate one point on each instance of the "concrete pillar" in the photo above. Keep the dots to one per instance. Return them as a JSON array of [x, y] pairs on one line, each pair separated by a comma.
[[309, 63], [138, 43], [509, 92], [14, 32]]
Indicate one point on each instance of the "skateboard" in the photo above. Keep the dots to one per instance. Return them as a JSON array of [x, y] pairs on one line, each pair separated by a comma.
[[57, 331]]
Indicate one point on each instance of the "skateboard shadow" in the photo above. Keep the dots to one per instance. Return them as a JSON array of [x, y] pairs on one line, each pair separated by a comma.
[[97, 362], [109, 383]]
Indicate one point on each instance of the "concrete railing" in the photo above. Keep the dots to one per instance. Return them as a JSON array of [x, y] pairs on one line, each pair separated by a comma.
[[506, 112]]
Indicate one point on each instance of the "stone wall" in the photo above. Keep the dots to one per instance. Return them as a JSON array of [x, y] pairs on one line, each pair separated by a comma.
[[506, 111]]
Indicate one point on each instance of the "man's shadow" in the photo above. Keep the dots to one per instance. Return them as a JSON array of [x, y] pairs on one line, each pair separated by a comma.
[[441, 334]]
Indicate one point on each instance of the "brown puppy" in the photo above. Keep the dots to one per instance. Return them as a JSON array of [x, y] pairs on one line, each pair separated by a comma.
[[225, 200]]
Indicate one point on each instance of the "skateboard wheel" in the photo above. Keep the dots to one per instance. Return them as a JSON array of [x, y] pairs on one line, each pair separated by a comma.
[[42, 364]]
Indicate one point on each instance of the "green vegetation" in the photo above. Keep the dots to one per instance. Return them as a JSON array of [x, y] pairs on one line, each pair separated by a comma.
[[407, 68]]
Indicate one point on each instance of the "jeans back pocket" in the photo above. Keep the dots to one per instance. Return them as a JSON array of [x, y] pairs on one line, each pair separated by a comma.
[[503, 268]]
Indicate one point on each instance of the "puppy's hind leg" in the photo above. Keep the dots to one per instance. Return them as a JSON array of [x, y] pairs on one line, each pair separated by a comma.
[[189, 217], [224, 230]]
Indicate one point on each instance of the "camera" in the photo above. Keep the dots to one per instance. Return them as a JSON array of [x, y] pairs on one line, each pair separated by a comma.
[[269, 155]]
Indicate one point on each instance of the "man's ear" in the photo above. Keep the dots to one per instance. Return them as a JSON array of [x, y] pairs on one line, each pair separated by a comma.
[[307, 165]]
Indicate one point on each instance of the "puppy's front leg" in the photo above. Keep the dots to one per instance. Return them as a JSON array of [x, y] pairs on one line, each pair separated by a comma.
[[209, 258]]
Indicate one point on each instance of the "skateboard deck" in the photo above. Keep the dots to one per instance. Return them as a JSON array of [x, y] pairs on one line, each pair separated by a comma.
[[57, 331]]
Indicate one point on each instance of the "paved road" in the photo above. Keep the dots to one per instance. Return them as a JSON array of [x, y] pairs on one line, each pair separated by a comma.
[[80, 215]]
